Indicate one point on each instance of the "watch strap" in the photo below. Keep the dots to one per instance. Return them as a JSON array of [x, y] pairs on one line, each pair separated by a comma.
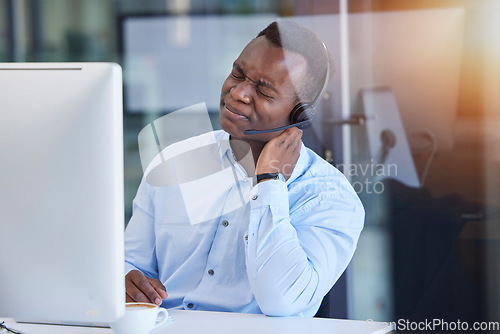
[[265, 176]]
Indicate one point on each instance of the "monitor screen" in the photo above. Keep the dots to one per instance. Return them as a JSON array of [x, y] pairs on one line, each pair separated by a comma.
[[61, 194]]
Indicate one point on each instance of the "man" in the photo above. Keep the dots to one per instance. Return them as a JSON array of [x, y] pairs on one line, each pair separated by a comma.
[[280, 251]]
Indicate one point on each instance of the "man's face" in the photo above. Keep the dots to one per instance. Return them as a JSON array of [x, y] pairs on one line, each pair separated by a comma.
[[259, 92]]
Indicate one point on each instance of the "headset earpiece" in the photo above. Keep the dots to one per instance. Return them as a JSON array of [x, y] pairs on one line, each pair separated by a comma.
[[303, 112]]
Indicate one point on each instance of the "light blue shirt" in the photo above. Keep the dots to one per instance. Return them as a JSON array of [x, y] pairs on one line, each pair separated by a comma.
[[274, 248]]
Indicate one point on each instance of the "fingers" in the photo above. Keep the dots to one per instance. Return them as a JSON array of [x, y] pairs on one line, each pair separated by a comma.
[[133, 292], [295, 136], [159, 287], [295, 131], [291, 132], [140, 289], [288, 137], [281, 153], [292, 139]]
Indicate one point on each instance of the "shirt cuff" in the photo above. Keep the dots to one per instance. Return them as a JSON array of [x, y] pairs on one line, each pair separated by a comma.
[[129, 267], [272, 193]]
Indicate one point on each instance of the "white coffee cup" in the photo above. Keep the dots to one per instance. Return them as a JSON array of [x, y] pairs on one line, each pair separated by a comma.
[[139, 318]]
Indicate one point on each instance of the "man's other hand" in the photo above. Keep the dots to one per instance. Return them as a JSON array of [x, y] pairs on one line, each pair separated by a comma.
[[281, 153], [139, 288]]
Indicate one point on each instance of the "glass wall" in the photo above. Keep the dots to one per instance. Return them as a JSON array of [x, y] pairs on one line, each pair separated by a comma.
[[426, 76], [4, 33], [421, 78]]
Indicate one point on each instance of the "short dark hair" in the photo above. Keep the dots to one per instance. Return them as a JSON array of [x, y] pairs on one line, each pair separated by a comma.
[[292, 36]]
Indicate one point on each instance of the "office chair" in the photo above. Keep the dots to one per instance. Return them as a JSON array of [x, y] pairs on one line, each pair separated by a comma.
[[334, 304]]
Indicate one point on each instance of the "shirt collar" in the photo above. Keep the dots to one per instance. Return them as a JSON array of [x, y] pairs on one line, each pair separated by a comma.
[[225, 147], [299, 169], [228, 155]]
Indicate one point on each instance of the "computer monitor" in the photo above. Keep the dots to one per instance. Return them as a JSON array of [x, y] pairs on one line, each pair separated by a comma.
[[61, 193]]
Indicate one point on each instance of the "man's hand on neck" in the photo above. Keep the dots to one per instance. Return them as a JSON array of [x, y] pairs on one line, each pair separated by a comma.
[[280, 154]]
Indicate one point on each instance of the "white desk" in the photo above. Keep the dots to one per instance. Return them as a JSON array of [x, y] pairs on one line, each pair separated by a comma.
[[194, 322]]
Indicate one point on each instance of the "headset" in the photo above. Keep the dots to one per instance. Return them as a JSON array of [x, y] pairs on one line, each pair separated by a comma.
[[303, 113]]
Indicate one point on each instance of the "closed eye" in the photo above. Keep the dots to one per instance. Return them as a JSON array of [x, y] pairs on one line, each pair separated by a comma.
[[262, 88], [237, 72], [265, 91], [237, 76], [264, 94]]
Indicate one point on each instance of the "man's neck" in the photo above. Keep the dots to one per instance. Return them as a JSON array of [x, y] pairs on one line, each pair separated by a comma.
[[241, 150]]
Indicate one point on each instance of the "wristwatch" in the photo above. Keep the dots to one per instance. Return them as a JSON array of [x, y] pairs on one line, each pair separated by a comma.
[[272, 176]]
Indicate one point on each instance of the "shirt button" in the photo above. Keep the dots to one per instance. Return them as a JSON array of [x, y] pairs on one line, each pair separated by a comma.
[[254, 197], [246, 237], [210, 272], [225, 223], [190, 305]]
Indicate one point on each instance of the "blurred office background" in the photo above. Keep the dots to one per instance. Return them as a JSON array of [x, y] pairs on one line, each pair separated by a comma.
[[423, 76]]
